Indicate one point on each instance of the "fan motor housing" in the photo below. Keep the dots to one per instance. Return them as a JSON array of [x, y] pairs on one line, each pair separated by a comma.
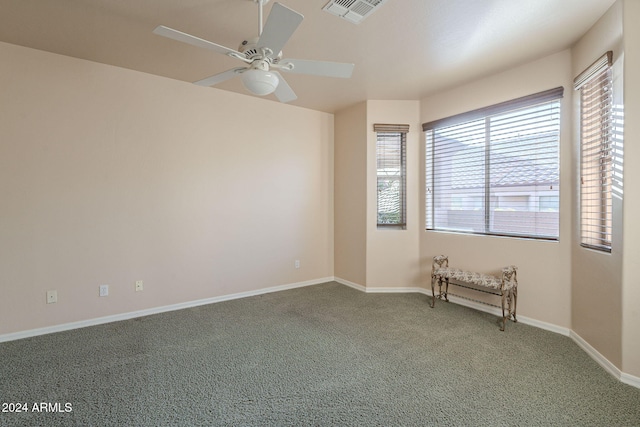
[[249, 48]]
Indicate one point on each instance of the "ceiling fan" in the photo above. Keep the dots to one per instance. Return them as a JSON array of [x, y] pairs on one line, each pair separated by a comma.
[[263, 55]]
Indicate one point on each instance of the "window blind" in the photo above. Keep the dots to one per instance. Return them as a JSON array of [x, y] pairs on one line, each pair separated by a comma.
[[596, 154], [496, 170], [391, 174]]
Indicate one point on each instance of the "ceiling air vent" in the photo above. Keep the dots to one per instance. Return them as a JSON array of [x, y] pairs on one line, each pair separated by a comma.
[[353, 10]]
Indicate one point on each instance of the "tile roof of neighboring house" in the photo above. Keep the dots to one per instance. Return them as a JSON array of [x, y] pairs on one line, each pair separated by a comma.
[[507, 170]]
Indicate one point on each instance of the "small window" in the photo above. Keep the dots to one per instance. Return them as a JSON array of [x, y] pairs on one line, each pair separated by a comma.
[[496, 170], [391, 174], [596, 154]]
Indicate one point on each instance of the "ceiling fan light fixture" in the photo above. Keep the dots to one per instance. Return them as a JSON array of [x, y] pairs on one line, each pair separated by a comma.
[[263, 53], [259, 82]]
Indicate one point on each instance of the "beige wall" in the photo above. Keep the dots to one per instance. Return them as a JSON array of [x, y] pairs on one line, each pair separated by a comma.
[[392, 254], [108, 176], [364, 254], [631, 257], [597, 276], [350, 192], [544, 268]]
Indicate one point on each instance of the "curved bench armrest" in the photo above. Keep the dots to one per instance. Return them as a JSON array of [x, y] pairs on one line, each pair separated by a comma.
[[509, 277], [439, 261]]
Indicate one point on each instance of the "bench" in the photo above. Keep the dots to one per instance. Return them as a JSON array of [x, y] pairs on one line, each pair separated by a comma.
[[505, 286]]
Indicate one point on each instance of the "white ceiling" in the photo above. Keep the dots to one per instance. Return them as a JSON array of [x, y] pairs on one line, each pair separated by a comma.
[[405, 50]]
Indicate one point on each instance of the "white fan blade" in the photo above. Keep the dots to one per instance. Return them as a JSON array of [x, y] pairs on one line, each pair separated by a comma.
[[219, 78], [317, 68], [281, 24], [161, 30], [283, 92]]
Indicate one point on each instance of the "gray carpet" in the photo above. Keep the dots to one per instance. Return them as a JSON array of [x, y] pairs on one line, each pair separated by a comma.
[[320, 355]]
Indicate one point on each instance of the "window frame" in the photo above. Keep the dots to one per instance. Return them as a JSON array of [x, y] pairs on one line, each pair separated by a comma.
[[383, 133], [483, 114], [596, 125]]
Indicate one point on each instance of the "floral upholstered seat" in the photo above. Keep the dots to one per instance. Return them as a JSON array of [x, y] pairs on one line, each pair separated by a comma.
[[480, 279]]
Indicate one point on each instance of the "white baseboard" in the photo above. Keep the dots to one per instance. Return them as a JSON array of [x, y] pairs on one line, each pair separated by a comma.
[[399, 290], [630, 380], [379, 290], [155, 310], [604, 362], [498, 312], [350, 284], [544, 325], [595, 355]]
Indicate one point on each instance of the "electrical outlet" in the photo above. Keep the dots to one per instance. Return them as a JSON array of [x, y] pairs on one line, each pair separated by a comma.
[[52, 297], [104, 290], [297, 263], [139, 285]]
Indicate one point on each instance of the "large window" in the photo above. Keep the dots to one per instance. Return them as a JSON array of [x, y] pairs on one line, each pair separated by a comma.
[[596, 153], [391, 173], [496, 170]]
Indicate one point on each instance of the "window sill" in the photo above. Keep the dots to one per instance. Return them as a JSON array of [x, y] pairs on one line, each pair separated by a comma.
[[391, 227]]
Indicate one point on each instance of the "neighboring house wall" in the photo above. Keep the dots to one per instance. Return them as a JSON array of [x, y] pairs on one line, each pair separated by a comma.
[[109, 176], [596, 299], [544, 268], [350, 183]]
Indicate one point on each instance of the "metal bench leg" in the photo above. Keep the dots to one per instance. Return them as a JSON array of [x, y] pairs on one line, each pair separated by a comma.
[[433, 292], [441, 294], [504, 318]]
